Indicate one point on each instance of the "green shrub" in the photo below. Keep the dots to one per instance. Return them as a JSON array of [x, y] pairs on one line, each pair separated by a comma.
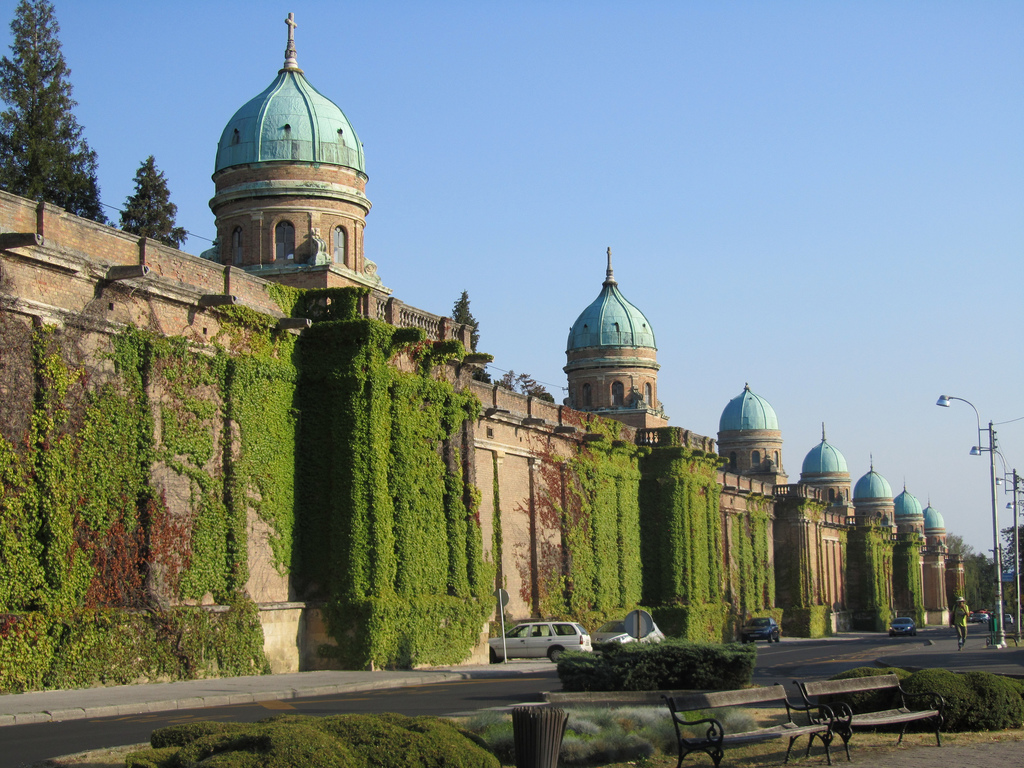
[[152, 758], [180, 735], [1001, 704], [955, 690], [297, 741], [871, 701], [670, 665]]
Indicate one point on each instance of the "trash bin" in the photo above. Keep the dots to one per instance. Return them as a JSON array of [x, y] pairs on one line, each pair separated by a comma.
[[537, 732]]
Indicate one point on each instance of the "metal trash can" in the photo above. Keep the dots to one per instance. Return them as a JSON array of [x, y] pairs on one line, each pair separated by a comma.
[[538, 732]]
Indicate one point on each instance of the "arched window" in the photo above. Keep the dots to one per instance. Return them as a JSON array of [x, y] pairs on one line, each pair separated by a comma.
[[617, 393], [649, 395], [732, 461], [755, 458], [340, 243], [831, 494], [284, 241], [585, 397], [776, 455], [236, 245]]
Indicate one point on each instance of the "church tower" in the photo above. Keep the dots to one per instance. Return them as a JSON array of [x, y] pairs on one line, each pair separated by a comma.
[[612, 360], [290, 177]]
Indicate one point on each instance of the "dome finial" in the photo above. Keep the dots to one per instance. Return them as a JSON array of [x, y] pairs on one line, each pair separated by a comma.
[[823, 431], [609, 276], [290, 61], [871, 460]]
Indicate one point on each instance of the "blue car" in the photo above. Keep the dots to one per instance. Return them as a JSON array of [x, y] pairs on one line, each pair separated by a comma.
[[902, 626], [763, 628]]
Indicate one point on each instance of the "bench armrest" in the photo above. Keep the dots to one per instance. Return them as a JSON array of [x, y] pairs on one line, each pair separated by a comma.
[[936, 701]]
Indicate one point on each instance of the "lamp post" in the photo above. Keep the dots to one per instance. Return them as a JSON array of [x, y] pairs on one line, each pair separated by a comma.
[[999, 638]]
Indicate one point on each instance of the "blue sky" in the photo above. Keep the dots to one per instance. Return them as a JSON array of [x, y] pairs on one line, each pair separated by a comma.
[[823, 199]]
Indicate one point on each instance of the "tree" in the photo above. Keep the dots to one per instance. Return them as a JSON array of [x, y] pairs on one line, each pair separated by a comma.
[[149, 211], [526, 385], [43, 155], [461, 314]]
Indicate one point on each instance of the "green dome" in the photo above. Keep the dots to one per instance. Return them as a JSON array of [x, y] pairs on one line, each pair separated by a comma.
[[872, 486], [907, 507], [291, 121], [747, 411], [824, 459], [933, 520], [610, 321]]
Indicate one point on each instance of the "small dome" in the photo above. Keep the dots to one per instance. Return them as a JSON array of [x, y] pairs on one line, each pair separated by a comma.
[[933, 522], [747, 411], [872, 486], [824, 459], [291, 121], [907, 506], [610, 321]]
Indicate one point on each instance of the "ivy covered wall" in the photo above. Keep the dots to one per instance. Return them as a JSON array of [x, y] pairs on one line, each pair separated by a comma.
[[589, 570], [907, 582], [682, 540], [144, 461], [389, 535], [97, 565], [869, 575]]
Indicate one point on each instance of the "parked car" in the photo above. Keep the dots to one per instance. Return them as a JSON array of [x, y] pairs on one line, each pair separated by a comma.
[[904, 625], [978, 617], [612, 630], [537, 639], [763, 628]]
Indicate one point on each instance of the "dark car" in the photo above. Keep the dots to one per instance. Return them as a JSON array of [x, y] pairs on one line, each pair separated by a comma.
[[902, 626], [761, 629]]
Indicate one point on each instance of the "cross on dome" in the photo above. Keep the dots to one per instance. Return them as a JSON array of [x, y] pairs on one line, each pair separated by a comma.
[[609, 276], [290, 60]]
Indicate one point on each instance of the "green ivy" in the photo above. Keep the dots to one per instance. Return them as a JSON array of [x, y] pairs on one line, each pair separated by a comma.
[[384, 497], [907, 585], [682, 538], [869, 576]]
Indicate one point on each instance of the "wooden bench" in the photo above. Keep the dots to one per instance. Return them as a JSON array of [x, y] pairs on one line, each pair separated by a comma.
[[715, 738], [843, 719]]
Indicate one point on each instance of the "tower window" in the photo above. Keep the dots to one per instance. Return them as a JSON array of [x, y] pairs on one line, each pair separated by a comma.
[[732, 461], [831, 494], [755, 458], [649, 395], [776, 457], [340, 243], [284, 241], [236, 245], [585, 396], [618, 395]]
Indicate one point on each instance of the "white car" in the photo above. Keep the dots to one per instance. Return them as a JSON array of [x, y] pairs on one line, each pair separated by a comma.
[[615, 631], [537, 639]]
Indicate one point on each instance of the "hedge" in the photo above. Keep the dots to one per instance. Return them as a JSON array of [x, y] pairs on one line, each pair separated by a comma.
[[299, 741], [670, 665]]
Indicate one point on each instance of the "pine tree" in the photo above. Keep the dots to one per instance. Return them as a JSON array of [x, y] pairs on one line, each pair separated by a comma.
[[461, 314], [43, 155], [149, 211]]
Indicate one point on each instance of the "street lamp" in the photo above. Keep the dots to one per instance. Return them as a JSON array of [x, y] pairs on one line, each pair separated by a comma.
[[999, 640]]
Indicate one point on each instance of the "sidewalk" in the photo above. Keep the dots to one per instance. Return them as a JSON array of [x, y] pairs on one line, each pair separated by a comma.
[[57, 706]]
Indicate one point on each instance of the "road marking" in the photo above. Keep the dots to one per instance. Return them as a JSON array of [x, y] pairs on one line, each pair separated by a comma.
[[276, 704]]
